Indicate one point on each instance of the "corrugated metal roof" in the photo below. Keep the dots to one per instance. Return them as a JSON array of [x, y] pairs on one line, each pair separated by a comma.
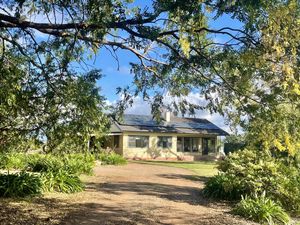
[[144, 123]]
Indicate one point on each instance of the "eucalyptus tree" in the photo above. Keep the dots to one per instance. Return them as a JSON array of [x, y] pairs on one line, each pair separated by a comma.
[[247, 70]]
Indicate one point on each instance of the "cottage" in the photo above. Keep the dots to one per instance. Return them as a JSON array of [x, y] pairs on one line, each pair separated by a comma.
[[175, 138]]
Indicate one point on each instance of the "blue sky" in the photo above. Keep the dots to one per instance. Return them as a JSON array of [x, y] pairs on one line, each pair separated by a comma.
[[118, 75]]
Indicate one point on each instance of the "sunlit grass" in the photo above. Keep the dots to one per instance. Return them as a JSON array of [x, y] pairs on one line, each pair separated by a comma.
[[200, 168]]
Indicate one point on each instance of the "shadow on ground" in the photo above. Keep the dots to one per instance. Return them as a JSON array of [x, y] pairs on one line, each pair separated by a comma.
[[185, 177], [176, 193], [89, 214], [52, 211], [37, 210], [159, 199]]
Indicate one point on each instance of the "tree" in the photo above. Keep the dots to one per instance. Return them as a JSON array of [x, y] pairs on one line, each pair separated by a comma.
[[245, 73], [62, 113]]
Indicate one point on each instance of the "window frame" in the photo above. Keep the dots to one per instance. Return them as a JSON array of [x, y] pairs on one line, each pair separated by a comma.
[[145, 139], [168, 142], [181, 144], [116, 141]]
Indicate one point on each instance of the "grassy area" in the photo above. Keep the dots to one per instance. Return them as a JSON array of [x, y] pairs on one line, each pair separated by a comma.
[[200, 168]]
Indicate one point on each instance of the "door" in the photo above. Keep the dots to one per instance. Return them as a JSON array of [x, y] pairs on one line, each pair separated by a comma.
[[205, 146]]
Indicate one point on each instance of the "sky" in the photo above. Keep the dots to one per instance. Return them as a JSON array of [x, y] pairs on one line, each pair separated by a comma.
[[117, 74]]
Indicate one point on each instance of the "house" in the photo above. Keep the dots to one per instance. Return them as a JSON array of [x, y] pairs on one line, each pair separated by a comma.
[[175, 138]]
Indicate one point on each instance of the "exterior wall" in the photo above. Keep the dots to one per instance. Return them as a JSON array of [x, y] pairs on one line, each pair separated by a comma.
[[109, 144], [120, 149], [154, 152]]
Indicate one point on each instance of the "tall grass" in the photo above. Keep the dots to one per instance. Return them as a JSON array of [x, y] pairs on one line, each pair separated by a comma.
[[61, 181], [20, 184], [262, 209], [43, 172], [110, 158]]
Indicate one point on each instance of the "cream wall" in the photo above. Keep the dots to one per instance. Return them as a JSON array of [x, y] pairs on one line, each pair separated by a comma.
[[154, 152]]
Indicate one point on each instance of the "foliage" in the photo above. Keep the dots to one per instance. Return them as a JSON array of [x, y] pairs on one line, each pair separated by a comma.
[[44, 163], [224, 187], [288, 192], [13, 161], [255, 171], [249, 75], [110, 158], [79, 163], [76, 163], [48, 173], [61, 181], [234, 143], [278, 131], [19, 184], [262, 209], [58, 113], [251, 173]]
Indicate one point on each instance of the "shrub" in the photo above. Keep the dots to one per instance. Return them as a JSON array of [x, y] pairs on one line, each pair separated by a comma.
[[261, 209], [245, 173], [19, 184], [61, 181], [289, 192], [110, 158], [11, 161], [79, 163], [252, 172], [255, 172], [224, 187], [56, 173], [73, 163], [234, 143], [44, 163]]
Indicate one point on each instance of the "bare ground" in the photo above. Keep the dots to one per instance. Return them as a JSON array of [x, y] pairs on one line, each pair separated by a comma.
[[131, 194]]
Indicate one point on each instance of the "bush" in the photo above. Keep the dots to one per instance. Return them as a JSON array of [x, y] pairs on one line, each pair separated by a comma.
[[255, 172], [261, 209], [224, 187], [13, 161], [56, 173], [245, 173], [73, 163], [61, 181], [110, 158], [79, 163], [19, 185], [252, 172], [44, 163], [288, 192], [234, 143]]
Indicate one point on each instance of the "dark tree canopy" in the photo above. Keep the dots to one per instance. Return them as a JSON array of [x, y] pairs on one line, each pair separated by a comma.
[[250, 74], [60, 110]]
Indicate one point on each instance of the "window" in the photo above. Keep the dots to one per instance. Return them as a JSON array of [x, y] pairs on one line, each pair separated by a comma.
[[164, 142], [117, 141], [138, 141], [209, 145], [179, 144], [188, 144]]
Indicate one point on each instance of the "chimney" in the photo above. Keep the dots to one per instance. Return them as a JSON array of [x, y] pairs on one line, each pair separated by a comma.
[[168, 116]]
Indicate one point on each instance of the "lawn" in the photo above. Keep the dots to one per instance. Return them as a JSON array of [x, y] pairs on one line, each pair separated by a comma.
[[200, 168]]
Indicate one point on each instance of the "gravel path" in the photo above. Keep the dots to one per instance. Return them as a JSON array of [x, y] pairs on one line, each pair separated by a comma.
[[145, 194]]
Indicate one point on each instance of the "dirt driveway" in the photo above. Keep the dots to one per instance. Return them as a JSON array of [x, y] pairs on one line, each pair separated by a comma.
[[146, 194]]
